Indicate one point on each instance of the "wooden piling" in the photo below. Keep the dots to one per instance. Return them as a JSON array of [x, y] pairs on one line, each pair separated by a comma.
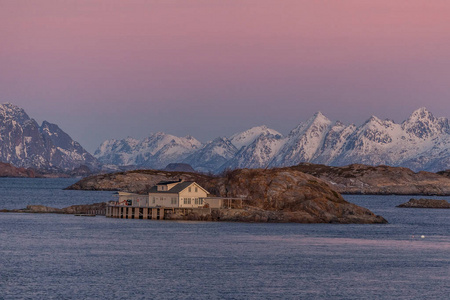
[[136, 212], [145, 213]]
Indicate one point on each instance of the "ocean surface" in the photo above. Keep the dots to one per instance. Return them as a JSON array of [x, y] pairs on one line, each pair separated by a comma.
[[49, 256]]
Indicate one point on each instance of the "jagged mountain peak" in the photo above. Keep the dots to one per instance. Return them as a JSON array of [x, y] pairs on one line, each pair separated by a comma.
[[220, 139], [338, 124], [421, 142], [373, 119], [423, 124], [421, 113], [317, 122], [47, 147], [320, 116], [49, 126], [247, 137], [375, 122], [9, 111], [154, 151], [131, 139], [212, 155]]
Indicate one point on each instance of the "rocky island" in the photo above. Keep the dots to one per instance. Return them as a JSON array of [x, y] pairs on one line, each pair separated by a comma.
[[379, 180], [271, 195], [96, 208], [8, 170], [425, 203]]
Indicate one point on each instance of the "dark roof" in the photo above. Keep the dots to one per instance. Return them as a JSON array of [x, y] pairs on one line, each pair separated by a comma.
[[176, 189], [168, 182]]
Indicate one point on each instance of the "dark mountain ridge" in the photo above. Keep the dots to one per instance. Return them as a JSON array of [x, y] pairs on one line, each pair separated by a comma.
[[47, 148]]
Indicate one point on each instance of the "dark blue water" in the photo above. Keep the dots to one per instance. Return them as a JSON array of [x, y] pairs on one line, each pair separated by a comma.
[[66, 257], [16, 193]]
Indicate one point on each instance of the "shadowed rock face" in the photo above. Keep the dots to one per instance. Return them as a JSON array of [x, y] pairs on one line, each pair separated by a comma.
[[179, 167], [380, 180], [8, 170], [46, 148]]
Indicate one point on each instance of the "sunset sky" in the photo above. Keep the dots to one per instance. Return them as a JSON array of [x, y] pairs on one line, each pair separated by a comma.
[[114, 68]]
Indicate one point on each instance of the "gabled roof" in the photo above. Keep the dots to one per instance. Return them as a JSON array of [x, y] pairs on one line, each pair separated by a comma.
[[176, 189], [168, 182]]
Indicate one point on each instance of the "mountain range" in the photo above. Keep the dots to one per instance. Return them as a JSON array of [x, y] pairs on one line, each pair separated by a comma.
[[422, 142], [23, 143]]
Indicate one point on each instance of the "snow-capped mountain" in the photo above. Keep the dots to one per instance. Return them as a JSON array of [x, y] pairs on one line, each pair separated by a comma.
[[334, 142], [245, 138], [419, 143], [212, 155], [258, 154], [24, 143], [422, 142], [155, 151], [303, 142]]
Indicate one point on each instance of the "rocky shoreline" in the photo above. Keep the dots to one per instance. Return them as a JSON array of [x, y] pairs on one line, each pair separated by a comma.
[[356, 215], [255, 215], [380, 180], [426, 203], [271, 195], [353, 179], [74, 209]]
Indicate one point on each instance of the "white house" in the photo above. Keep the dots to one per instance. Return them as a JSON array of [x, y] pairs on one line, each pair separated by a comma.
[[184, 194], [176, 194]]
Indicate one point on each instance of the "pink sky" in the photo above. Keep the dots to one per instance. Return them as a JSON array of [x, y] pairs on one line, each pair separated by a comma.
[[109, 69]]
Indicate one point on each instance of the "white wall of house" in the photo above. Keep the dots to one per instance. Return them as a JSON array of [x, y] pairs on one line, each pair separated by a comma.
[[163, 199], [213, 202], [136, 199], [191, 196]]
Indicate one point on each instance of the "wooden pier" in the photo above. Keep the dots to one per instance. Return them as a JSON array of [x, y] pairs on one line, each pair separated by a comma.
[[149, 213]]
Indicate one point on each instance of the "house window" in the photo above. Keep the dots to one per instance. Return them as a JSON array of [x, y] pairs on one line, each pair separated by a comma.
[[196, 189], [196, 201], [189, 189], [200, 201], [153, 200]]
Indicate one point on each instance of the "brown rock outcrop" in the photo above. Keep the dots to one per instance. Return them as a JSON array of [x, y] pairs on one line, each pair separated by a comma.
[[137, 181], [74, 209], [281, 195], [8, 170], [380, 180], [425, 203]]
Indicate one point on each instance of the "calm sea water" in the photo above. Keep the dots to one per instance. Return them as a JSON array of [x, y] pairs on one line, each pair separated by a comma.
[[66, 257]]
